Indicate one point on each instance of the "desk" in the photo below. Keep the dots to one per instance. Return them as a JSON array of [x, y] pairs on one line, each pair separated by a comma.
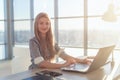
[[98, 74]]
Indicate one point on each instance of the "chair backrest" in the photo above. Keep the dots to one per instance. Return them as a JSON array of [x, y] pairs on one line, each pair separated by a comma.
[[21, 60]]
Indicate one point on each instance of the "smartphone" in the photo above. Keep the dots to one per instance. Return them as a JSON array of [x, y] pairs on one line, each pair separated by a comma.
[[51, 73]]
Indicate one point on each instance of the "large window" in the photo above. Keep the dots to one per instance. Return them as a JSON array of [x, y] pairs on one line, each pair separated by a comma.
[[70, 22], [76, 24]]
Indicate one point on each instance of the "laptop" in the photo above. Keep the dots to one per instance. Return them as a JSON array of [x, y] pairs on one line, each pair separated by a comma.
[[100, 60]]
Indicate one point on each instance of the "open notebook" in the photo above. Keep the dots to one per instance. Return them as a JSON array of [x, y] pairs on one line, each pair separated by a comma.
[[100, 60]]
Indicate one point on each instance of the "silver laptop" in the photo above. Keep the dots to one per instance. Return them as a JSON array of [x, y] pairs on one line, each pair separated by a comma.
[[100, 60]]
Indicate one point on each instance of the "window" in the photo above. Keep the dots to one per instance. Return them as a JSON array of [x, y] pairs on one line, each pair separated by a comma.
[[70, 23]]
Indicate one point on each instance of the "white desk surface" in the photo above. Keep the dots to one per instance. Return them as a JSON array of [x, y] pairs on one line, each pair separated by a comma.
[[98, 74]]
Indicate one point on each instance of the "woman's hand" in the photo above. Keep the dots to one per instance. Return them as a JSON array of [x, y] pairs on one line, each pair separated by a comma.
[[72, 60], [85, 60], [69, 62]]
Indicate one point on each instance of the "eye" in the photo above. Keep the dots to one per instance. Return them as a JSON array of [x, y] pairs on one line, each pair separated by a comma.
[[41, 23]]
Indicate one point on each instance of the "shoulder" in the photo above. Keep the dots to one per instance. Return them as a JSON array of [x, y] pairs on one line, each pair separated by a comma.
[[33, 40]]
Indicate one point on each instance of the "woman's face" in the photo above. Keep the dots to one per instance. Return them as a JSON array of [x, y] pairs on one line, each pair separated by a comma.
[[43, 25]]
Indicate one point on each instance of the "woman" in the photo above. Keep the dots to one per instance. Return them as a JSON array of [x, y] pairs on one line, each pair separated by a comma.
[[44, 50]]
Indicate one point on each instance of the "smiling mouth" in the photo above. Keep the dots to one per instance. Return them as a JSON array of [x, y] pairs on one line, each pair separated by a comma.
[[44, 29]]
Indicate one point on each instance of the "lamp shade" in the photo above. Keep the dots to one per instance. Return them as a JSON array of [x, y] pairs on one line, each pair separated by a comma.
[[109, 15]]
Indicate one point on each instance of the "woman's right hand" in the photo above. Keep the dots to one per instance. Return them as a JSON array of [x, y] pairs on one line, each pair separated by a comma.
[[69, 61]]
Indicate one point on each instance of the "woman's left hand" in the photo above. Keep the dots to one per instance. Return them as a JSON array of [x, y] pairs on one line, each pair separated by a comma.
[[83, 61]]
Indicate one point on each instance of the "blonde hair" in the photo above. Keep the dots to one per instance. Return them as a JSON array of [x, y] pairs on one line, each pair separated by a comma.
[[49, 38]]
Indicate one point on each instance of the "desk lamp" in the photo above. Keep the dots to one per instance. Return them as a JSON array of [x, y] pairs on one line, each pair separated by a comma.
[[109, 15]]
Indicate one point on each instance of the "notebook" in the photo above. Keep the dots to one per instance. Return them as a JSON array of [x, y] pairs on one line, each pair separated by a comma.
[[100, 60]]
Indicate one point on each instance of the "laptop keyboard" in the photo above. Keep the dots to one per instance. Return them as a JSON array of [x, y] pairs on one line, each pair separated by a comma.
[[81, 66]]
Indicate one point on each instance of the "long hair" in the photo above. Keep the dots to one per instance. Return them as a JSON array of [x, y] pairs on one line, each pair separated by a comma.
[[49, 38]]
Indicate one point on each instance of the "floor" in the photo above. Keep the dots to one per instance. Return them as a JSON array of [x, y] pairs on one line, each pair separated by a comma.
[[19, 63]]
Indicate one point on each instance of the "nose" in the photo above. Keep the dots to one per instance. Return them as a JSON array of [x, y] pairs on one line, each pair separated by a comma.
[[44, 25]]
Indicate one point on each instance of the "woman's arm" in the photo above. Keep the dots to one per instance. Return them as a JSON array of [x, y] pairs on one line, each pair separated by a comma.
[[47, 64], [75, 60], [68, 58], [61, 53]]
